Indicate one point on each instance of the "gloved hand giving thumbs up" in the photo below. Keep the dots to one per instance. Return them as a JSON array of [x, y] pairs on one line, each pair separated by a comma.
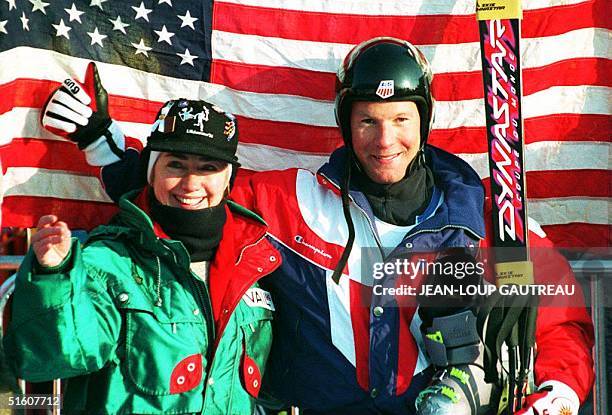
[[79, 112]]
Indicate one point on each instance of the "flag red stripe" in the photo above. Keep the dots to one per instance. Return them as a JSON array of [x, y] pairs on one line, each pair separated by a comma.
[[583, 71], [46, 154], [291, 136], [579, 235], [556, 20], [24, 211], [23, 92], [323, 140], [273, 79], [33, 93], [566, 183], [559, 127], [342, 28], [420, 30]]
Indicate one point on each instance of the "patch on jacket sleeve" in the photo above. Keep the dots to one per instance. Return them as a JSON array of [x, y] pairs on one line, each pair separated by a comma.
[[256, 297], [251, 376], [187, 374]]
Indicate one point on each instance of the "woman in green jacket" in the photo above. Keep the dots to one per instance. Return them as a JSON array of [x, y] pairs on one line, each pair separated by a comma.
[[160, 311]]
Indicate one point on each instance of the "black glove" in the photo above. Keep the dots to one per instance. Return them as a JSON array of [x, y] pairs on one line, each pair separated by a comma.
[[71, 113]]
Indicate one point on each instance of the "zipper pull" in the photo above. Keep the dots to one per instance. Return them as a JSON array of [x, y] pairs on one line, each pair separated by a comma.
[[174, 328]]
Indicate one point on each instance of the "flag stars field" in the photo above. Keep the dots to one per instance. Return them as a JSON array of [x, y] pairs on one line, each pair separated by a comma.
[[149, 25]]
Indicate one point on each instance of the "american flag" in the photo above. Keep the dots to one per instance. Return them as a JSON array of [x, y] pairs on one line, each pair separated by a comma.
[[273, 63]]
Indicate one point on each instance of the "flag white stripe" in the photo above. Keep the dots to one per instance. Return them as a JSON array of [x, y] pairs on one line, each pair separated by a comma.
[[539, 156], [552, 156], [260, 157], [31, 181], [28, 181], [444, 58], [386, 7], [560, 211]]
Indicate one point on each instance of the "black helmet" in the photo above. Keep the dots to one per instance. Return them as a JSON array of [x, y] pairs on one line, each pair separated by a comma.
[[384, 69]]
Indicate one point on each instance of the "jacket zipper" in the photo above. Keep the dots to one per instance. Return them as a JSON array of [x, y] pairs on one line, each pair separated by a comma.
[[204, 304], [202, 298]]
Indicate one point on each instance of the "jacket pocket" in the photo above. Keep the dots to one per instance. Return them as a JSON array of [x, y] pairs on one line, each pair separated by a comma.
[[163, 357], [164, 352]]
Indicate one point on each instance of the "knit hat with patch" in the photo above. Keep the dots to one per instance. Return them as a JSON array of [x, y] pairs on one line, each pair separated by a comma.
[[195, 127]]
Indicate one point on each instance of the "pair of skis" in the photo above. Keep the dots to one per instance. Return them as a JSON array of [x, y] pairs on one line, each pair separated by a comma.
[[499, 28]]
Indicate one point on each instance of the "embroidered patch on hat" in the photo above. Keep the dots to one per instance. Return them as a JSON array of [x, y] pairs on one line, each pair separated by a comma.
[[386, 89], [229, 130], [197, 119], [256, 297], [167, 124], [164, 123]]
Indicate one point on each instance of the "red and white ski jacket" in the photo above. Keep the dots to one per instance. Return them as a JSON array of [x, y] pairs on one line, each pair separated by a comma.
[[340, 349]]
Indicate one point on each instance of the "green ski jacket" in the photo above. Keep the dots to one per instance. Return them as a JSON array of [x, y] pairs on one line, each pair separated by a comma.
[[133, 330]]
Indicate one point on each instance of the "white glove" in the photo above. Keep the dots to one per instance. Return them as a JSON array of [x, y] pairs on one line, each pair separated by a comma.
[[70, 112], [552, 398]]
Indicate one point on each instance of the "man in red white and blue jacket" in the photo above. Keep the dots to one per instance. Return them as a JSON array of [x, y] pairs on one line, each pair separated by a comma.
[[338, 347]]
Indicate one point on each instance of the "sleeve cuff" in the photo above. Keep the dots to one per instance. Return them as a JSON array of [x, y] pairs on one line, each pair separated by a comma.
[[108, 148], [65, 265]]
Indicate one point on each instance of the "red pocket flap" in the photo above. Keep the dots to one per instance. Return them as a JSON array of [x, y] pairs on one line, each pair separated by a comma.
[[251, 375], [187, 374]]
